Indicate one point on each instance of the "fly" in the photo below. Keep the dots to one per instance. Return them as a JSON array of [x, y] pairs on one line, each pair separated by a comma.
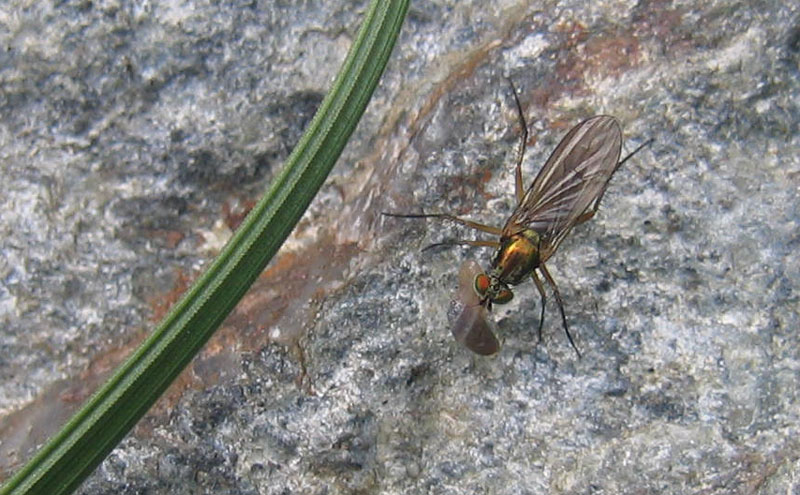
[[566, 192]]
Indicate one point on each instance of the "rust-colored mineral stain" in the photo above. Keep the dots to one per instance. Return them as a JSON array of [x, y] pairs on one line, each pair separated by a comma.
[[584, 55], [285, 264], [463, 186], [235, 213], [292, 285], [162, 303], [662, 23], [612, 55], [574, 32], [25, 429], [604, 56], [167, 237]]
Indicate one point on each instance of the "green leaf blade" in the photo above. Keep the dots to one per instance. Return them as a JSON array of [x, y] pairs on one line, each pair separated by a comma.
[[74, 452]]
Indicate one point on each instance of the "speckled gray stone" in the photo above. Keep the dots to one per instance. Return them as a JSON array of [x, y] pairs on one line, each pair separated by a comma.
[[134, 134]]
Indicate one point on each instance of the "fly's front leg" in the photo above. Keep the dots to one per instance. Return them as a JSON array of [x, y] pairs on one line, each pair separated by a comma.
[[452, 218], [478, 243]]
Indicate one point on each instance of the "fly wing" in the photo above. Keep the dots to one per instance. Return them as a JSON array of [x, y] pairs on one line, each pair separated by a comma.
[[575, 175]]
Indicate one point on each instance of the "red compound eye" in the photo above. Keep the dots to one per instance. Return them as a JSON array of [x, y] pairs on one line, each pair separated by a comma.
[[503, 297], [482, 283]]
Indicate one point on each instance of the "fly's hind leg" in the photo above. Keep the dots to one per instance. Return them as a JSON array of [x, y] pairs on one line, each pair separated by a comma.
[[560, 303], [520, 188], [540, 288], [592, 208]]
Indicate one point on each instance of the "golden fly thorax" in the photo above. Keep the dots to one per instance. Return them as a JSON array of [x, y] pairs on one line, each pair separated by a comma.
[[515, 259]]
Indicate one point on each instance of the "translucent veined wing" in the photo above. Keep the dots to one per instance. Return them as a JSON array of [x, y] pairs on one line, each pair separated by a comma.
[[574, 177], [472, 328]]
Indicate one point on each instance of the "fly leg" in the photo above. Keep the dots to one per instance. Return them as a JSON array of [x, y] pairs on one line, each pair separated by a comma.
[[560, 303], [451, 218], [540, 288], [592, 208], [520, 189], [478, 243], [462, 221]]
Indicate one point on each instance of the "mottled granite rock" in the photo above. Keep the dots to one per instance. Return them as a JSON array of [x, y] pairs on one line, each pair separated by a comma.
[[135, 135]]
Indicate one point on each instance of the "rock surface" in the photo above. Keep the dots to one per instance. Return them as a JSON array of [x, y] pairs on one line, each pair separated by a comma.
[[135, 136]]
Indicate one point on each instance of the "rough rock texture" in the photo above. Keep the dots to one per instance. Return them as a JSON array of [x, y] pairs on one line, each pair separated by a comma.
[[134, 135]]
